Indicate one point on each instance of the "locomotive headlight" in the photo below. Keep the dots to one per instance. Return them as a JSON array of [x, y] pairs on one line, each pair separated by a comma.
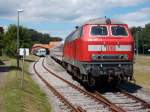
[[124, 56], [94, 57]]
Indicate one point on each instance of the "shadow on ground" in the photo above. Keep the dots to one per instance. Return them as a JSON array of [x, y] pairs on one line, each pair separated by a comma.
[[127, 86], [2, 63], [130, 87], [8, 68], [28, 60]]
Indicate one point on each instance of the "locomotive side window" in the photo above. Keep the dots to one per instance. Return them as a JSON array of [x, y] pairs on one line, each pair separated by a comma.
[[118, 31], [99, 30], [80, 31], [74, 35]]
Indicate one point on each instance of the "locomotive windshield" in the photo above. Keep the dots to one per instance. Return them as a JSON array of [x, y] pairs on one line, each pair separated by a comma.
[[118, 31], [99, 30]]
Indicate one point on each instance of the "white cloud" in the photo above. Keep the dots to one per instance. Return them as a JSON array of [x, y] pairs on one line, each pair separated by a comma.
[[56, 33], [124, 3], [70, 11], [137, 18], [61, 10]]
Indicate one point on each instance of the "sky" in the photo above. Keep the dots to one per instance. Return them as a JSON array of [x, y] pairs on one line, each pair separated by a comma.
[[59, 17]]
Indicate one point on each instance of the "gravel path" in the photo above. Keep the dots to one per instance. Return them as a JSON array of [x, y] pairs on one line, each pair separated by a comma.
[[62, 72], [55, 67], [137, 91], [2, 82], [51, 97], [4, 68], [74, 96]]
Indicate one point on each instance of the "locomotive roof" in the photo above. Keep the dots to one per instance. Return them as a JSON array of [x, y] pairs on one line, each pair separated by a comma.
[[103, 21]]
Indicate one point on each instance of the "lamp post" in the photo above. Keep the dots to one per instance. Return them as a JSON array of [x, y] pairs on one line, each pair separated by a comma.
[[18, 43], [137, 43]]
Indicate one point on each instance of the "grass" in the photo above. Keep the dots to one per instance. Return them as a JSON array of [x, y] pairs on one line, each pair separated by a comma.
[[143, 60], [4, 58], [142, 71], [32, 99], [29, 99]]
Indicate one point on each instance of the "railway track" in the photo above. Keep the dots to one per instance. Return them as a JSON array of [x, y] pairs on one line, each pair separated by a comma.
[[99, 97], [126, 101], [77, 99], [62, 102]]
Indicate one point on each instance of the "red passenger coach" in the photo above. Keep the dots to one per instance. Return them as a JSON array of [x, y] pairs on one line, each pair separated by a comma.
[[100, 50]]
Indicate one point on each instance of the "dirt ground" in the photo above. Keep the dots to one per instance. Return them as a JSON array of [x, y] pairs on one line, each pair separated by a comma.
[[3, 72], [1, 86], [4, 68]]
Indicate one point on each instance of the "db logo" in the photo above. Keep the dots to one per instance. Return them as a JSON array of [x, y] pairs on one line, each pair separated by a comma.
[[110, 48]]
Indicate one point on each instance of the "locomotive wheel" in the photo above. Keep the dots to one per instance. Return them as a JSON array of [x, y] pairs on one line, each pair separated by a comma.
[[91, 82], [74, 75], [64, 65]]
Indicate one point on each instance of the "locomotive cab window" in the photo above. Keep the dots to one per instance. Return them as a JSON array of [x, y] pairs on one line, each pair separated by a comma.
[[99, 30], [119, 31]]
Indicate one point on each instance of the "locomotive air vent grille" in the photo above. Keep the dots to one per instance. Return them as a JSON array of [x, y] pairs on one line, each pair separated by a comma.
[[110, 57]]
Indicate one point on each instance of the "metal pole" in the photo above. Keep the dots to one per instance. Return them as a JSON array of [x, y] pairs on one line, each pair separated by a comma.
[[22, 78], [2, 52], [143, 48], [137, 43], [18, 40]]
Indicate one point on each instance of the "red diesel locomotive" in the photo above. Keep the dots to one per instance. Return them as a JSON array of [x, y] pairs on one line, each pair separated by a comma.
[[101, 50]]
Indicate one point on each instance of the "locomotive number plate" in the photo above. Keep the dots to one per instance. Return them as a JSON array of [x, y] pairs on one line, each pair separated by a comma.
[[109, 47]]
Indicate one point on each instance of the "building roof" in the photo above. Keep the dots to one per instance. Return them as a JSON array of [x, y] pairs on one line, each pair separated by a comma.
[[46, 46], [103, 21]]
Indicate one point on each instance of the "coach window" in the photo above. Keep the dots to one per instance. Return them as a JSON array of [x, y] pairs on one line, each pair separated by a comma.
[[99, 30], [119, 31]]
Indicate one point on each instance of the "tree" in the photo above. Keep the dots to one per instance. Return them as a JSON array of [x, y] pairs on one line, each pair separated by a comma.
[[28, 37], [143, 35], [146, 38], [1, 43]]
